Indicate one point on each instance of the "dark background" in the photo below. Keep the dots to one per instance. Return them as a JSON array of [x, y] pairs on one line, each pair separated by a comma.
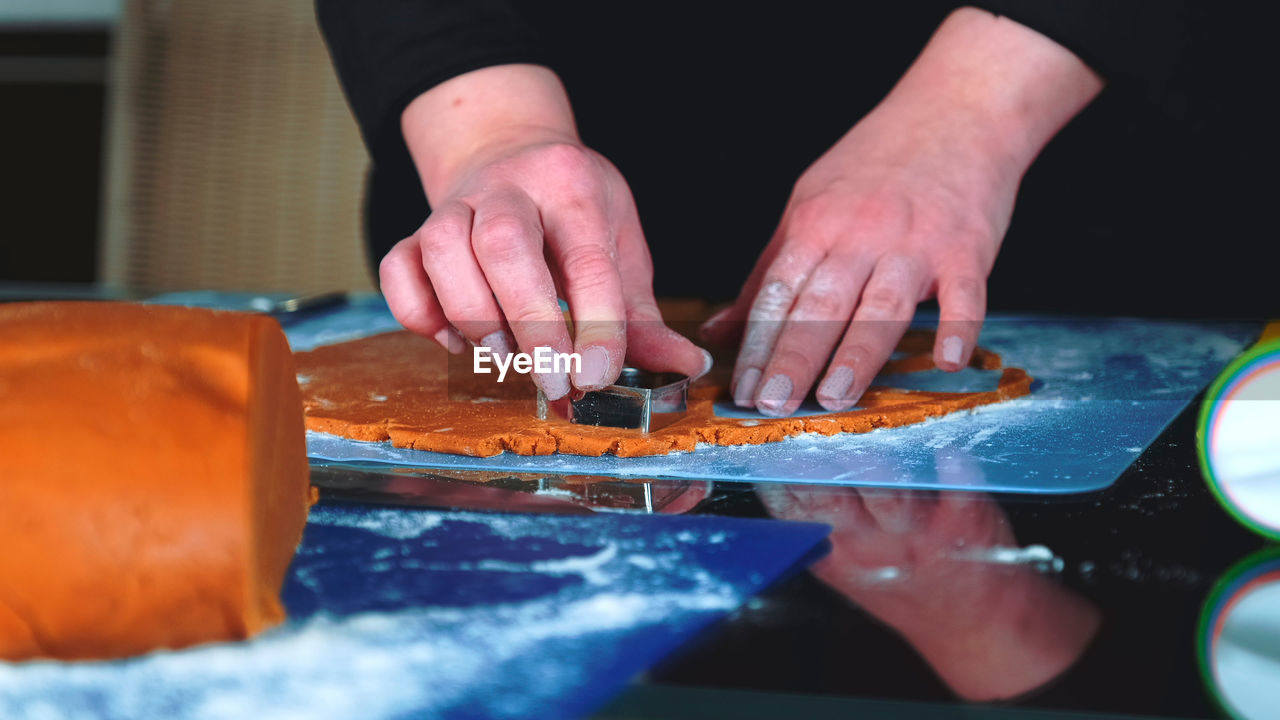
[[52, 104], [1153, 202]]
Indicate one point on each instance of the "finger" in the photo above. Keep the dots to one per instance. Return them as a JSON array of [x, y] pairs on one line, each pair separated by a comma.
[[723, 327], [582, 247], [685, 501], [892, 510], [814, 326], [884, 311], [962, 300], [841, 508], [780, 286], [506, 238], [461, 287], [409, 295], [651, 343], [726, 327]]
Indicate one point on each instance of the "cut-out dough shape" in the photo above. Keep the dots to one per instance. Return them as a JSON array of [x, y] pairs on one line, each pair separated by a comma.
[[407, 389]]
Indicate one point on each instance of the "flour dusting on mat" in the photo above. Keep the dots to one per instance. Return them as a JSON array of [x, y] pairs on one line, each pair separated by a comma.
[[1104, 390], [407, 613], [390, 522]]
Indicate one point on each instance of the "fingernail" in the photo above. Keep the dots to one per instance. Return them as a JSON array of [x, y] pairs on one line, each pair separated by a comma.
[[595, 364], [555, 385], [500, 343], [745, 393], [952, 350], [451, 340], [838, 382], [707, 362], [775, 394], [853, 393]]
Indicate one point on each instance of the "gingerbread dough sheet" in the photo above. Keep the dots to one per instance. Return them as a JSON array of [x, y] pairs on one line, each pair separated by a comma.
[[1103, 390], [405, 389]]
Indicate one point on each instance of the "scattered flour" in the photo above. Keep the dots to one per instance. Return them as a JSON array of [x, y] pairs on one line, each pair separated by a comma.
[[1033, 555], [556, 492], [1103, 388], [390, 522], [590, 568]]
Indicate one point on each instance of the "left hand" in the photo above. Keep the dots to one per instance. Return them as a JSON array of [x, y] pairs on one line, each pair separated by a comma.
[[912, 203], [898, 211]]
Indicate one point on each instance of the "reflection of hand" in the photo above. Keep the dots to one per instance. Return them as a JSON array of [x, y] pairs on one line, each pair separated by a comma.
[[923, 564], [683, 500], [522, 211], [897, 553], [912, 203]]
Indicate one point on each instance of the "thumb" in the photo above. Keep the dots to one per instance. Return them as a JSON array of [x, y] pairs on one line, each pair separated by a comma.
[[652, 345]]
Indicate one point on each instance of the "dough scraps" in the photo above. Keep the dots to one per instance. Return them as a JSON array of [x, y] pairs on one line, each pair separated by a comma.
[[405, 388]]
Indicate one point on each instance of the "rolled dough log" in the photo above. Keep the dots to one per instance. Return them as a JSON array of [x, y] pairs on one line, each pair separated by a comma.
[[153, 477], [407, 389]]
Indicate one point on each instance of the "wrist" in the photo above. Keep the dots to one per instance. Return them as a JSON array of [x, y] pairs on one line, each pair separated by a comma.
[[1031, 633], [479, 116], [1005, 88]]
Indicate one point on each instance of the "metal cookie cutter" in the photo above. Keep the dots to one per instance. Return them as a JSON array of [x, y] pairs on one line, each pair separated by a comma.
[[639, 400]]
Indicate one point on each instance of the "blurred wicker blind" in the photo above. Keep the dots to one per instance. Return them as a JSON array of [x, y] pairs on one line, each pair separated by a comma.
[[233, 161]]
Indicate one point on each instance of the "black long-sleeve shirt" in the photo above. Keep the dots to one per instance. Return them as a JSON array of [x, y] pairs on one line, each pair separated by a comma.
[[389, 51], [712, 111]]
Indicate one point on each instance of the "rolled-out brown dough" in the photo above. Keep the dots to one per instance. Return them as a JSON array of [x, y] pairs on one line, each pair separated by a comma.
[[399, 387]]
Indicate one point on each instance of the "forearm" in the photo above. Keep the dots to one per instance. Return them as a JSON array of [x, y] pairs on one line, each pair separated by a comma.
[[463, 120], [999, 85]]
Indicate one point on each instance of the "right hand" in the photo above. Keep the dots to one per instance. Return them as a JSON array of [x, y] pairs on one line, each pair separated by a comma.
[[517, 223], [524, 213], [525, 224]]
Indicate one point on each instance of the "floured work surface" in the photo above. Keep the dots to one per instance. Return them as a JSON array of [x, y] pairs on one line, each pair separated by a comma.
[[400, 387], [1104, 389]]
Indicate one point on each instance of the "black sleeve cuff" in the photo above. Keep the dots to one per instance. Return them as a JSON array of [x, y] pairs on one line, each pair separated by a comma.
[[1137, 44], [387, 52]]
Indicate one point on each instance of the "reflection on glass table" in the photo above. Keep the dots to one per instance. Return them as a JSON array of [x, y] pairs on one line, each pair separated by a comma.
[[945, 571]]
